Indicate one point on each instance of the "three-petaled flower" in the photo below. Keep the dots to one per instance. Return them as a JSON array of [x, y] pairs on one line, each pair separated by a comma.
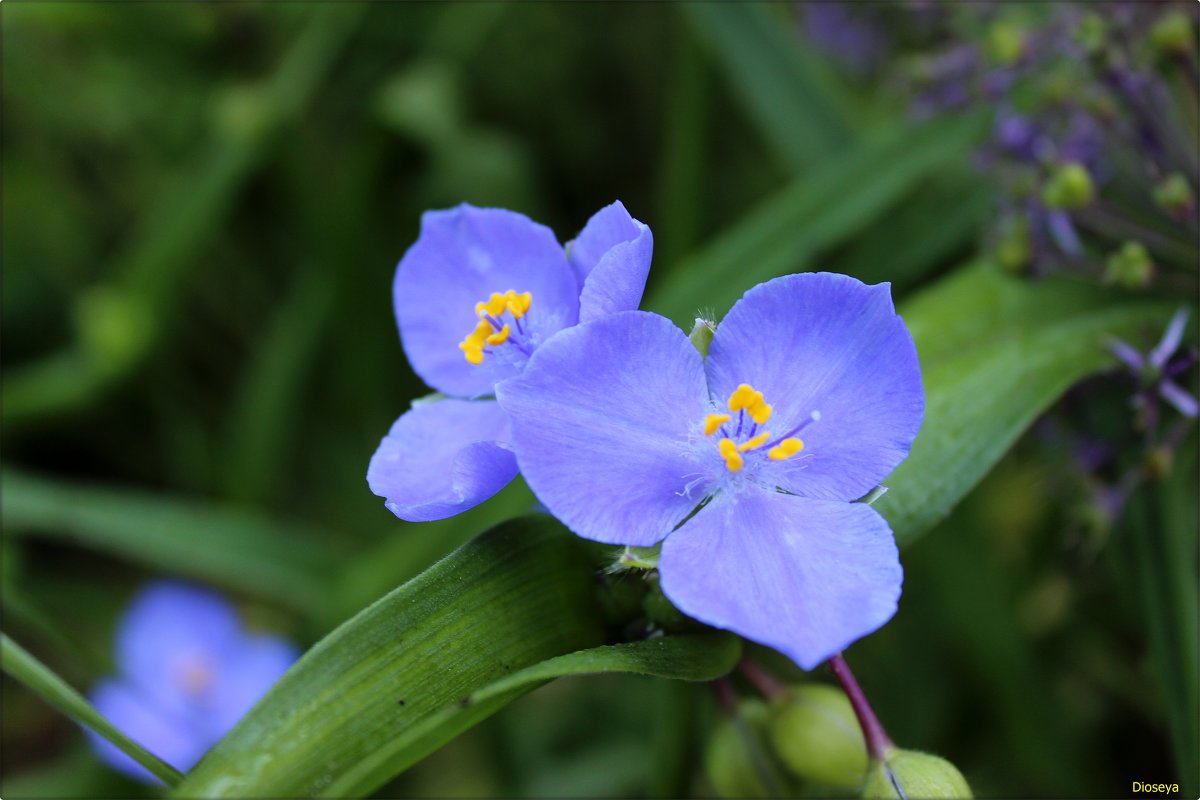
[[187, 672], [475, 296], [745, 462]]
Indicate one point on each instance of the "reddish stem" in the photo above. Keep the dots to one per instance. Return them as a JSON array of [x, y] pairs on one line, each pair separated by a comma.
[[764, 682], [877, 740]]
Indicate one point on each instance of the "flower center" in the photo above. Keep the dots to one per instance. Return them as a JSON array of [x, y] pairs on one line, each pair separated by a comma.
[[195, 675], [744, 436], [492, 330]]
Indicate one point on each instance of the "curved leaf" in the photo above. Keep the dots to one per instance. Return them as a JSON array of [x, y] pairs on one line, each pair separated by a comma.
[[493, 620], [996, 352]]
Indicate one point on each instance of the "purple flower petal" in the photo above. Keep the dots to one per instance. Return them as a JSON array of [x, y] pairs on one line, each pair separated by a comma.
[[601, 421], [443, 457], [171, 738], [1170, 340], [246, 677], [1184, 403], [611, 258], [830, 344], [171, 633], [806, 577], [462, 257], [1128, 356]]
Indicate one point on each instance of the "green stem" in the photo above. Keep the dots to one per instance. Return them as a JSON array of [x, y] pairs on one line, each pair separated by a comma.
[[38, 678]]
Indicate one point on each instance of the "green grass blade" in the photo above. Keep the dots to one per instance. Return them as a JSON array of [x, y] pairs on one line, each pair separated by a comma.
[[232, 548], [816, 212], [995, 353], [38, 678], [795, 105]]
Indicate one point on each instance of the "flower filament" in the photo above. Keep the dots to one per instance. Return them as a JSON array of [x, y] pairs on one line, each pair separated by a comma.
[[492, 330], [747, 403]]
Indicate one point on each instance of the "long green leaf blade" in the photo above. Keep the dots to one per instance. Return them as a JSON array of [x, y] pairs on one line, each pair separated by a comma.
[[513, 597], [814, 213], [995, 353], [238, 549], [40, 680]]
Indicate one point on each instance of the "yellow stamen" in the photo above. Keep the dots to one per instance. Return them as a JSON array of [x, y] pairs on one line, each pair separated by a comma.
[[473, 352], [729, 452], [500, 337], [743, 397], [518, 304], [755, 443], [785, 449], [714, 421], [760, 412]]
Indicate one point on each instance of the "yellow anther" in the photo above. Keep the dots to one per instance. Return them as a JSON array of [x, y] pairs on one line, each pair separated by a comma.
[[729, 452], [743, 397], [483, 329], [472, 351], [760, 412], [518, 304], [755, 443], [714, 421], [785, 449], [500, 337], [495, 304]]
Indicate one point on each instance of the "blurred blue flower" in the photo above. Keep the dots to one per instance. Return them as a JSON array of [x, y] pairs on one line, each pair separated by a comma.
[[475, 296], [187, 672], [630, 436]]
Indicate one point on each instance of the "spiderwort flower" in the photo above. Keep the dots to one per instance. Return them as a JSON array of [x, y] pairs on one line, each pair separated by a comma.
[[475, 296], [187, 672], [745, 462], [1157, 370]]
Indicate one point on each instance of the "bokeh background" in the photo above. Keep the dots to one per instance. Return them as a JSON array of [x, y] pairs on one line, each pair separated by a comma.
[[203, 206]]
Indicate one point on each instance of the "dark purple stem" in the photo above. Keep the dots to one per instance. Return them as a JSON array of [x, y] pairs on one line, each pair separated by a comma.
[[878, 743], [764, 682]]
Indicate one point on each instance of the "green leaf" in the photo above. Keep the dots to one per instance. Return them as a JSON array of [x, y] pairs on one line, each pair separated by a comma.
[[795, 104], [40, 680], [237, 549], [995, 353], [816, 212], [501, 615]]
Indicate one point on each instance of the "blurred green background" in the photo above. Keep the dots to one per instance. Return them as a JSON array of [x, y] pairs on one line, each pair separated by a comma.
[[202, 210]]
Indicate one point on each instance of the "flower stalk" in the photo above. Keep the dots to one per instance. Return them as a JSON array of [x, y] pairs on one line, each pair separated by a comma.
[[879, 744]]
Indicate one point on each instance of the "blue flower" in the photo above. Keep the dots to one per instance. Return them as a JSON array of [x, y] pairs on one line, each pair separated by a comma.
[[187, 672], [475, 296], [745, 462]]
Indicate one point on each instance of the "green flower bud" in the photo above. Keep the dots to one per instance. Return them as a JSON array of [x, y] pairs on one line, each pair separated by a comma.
[[114, 326], [910, 774], [1172, 35], [816, 735], [702, 334], [1130, 266], [1069, 186], [1005, 42], [1092, 33], [1173, 193], [1012, 247], [736, 759]]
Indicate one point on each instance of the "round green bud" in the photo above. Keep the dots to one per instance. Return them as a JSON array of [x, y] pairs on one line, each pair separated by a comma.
[[1069, 186], [1173, 193], [702, 334], [1130, 266], [1012, 246], [1172, 35], [817, 737], [243, 114], [114, 326], [910, 774], [733, 766], [1092, 33], [1005, 42]]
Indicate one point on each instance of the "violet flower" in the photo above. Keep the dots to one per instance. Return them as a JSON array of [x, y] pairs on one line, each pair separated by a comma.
[[475, 296], [1156, 369], [746, 462], [187, 672]]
